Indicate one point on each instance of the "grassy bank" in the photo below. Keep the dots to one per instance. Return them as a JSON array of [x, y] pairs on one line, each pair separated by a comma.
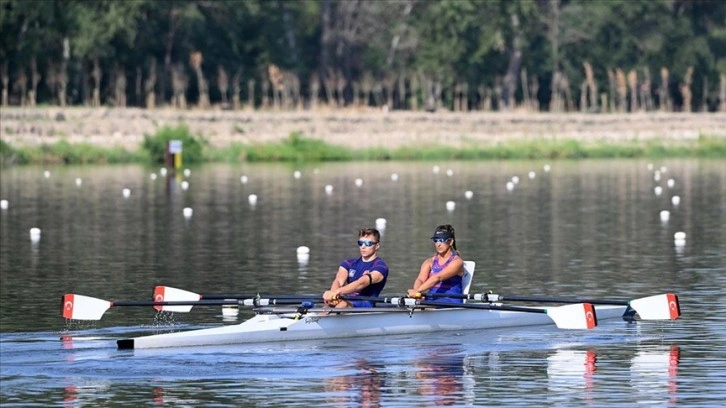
[[297, 148]]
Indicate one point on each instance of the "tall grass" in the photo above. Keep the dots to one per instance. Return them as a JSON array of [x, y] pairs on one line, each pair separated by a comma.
[[298, 148]]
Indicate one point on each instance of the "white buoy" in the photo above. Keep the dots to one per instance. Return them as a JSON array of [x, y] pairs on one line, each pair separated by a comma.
[[449, 172], [679, 238], [252, 198], [531, 175], [152, 176], [510, 186], [436, 169], [656, 176], [381, 223], [394, 176], [126, 193], [35, 234], [658, 190], [650, 166], [4, 204], [468, 194], [665, 215], [675, 200], [187, 172], [188, 212], [296, 174], [515, 180], [46, 174], [185, 185], [162, 171], [450, 205], [547, 168], [303, 255], [358, 182], [664, 169], [243, 179], [328, 189], [671, 183], [78, 181]]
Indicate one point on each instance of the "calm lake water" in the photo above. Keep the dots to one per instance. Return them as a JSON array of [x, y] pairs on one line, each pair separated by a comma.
[[587, 228]]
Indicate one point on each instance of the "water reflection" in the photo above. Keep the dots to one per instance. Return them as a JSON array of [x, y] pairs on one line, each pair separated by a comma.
[[441, 377], [362, 389], [572, 370], [654, 374]]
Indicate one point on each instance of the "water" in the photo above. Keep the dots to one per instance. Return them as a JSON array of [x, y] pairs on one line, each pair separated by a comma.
[[589, 228]]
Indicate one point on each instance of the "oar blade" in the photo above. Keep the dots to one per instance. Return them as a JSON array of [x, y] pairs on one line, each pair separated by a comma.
[[658, 307], [79, 307], [575, 316], [169, 294]]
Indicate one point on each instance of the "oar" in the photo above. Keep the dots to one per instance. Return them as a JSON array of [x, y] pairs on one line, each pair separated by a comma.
[[574, 316], [80, 307], [657, 307], [169, 294]]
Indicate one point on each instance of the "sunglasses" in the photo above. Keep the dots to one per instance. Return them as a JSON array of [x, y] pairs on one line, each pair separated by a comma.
[[439, 240], [367, 242]]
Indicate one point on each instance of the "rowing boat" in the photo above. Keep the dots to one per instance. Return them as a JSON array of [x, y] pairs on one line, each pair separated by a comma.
[[276, 325], [300, 319]]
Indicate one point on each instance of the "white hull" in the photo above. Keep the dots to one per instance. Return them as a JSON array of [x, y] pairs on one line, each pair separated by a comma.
[[264, 328]]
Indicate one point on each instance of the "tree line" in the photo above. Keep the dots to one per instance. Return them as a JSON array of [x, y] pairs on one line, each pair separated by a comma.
[[457, 55]]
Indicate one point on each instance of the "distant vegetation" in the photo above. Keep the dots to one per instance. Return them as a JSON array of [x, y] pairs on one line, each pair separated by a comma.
[[192, 145], [298, 148], [455, 55]]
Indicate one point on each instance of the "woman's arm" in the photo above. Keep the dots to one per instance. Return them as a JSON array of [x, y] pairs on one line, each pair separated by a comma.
[[454, 268]]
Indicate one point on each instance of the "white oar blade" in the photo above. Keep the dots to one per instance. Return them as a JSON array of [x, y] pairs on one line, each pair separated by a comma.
[[169, 294], [79, 307], [658, 307], [575, 316]]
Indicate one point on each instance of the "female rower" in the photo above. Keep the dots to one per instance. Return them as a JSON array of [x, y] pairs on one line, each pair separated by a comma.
[[443, 272], [363, 276]]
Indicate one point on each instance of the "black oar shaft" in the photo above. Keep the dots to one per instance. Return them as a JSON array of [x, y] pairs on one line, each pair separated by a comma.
[[489, 297], [212, 302], [546, 299], [251, 296], [483, 306]]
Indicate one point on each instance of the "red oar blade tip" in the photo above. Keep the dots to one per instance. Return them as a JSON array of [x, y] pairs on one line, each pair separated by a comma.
[[79, 307], [169, 294], [575, 316], [658, 307]]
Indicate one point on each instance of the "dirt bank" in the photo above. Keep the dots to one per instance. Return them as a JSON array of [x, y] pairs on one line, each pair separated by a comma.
[[353, 129]]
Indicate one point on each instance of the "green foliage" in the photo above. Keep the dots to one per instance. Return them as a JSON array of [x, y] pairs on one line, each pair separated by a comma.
[[66, 153], [10, 156], [445, 41], [710, 146], [192, 146], [297, 148]]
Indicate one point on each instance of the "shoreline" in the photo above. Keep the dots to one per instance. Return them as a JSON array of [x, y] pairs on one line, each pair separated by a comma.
[[353, 129]]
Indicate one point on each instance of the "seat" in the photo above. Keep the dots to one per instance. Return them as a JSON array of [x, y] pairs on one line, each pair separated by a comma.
[[468, 275]]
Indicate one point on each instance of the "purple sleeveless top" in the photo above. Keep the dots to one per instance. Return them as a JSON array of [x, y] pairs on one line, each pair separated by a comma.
[[452, 285]]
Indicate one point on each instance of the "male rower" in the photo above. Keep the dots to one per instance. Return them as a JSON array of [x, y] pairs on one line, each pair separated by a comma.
[[363, 276]]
